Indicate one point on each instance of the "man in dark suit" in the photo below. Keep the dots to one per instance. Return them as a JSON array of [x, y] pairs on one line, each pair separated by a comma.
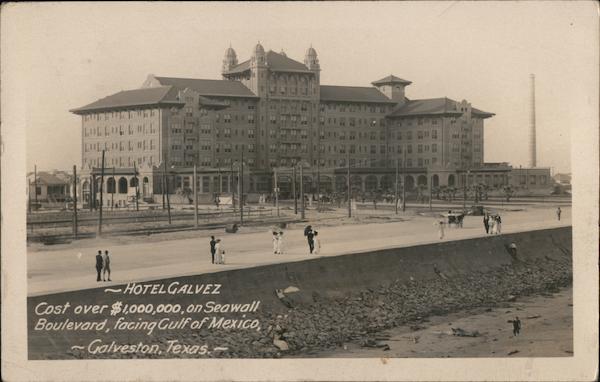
[[213, 242], [309, 233], [99, 265]]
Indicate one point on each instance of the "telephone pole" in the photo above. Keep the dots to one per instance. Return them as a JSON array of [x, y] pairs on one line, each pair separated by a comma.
[[302, 191], [166, 190], [195, 197], [137, 206], [276, 189], [294, 190], [101, 192], [348, 183], [396, 198], [75, 202], [241, 185]]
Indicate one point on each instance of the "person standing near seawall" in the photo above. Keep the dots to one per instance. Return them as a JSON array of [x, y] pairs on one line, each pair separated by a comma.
[[106, 266], [213, 242], [486, 224], [558, 212], [99, 265]]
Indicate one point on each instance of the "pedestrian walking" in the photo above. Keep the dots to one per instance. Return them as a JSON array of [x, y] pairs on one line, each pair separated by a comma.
[[498, 225], [309, 233], [486, 223], [280, 243], [516, 326], [99, 265], [558, 212], [317, 241], [275, 242], [213, 242], [220, 252], [513, 249], [106, 268], [492, 224], [441, 227]]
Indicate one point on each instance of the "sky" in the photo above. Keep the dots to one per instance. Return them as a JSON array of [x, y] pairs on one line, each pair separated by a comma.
[[70, 55]]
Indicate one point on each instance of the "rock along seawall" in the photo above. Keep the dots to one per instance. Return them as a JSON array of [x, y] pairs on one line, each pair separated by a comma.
[[339, 298]]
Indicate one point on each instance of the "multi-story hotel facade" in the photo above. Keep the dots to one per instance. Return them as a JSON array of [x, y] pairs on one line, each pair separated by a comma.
[[272, 114]]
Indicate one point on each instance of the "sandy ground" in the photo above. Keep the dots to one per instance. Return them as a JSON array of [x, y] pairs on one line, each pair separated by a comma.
[[547, 331], [71, 267]]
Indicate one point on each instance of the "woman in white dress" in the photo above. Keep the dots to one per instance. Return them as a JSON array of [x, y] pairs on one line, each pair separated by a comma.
[[220, 252], [275, 242], [441, 226], [280, 243], [492, 222], [317, 241]]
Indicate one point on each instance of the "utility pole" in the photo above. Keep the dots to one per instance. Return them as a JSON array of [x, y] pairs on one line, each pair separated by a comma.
[[396, 198], [276, 191], [241, 187], [348, 183], [164, 183], [231, 186], [112, 193], [137, 206], [404, 179], [35, 185], [302, 191], [465, 190], [294, 190], [101, 192], [430, 191], [195, 197], [319, 177], [75, 202], [220, 182], [166, 189]]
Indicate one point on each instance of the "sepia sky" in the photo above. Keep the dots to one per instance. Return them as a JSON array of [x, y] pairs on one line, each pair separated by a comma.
[[73, 54]]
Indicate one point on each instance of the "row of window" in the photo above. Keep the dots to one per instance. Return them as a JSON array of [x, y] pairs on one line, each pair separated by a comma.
[[106, 131], [128, 114], [120, 146], [121, 161]]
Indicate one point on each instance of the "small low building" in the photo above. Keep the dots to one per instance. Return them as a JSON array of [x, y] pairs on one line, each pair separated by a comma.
[[49, 187], [531, 181]]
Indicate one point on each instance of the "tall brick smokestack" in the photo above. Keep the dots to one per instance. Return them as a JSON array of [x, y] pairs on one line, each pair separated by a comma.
[[532, 143]]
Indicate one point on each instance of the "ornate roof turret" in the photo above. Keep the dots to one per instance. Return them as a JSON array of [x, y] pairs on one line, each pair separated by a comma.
[[311, 60], [230, 59], [259, 54]]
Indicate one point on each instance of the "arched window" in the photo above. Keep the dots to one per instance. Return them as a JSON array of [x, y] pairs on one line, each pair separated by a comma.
[[133, 182], [451, 180], [110, 185], [410, 183], [435, 181], [422, 180], [122, 185]]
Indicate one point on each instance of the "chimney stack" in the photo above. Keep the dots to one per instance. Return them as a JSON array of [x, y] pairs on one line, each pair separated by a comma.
[[532, 143]]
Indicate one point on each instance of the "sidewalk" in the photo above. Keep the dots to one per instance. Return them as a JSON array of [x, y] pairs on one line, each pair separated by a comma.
[[58, 271]]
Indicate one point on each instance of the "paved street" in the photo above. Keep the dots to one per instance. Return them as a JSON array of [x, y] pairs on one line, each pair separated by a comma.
[[63, 270]]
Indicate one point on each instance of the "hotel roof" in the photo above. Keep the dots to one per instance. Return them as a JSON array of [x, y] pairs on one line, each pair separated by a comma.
[[275, 62], [208, 87], [434, 106], [391, 79], [163, 95], [353, 94]]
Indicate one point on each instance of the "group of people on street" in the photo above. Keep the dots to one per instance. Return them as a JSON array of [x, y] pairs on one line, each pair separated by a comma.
[[217, 251], [492, 224], [103, 266]]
